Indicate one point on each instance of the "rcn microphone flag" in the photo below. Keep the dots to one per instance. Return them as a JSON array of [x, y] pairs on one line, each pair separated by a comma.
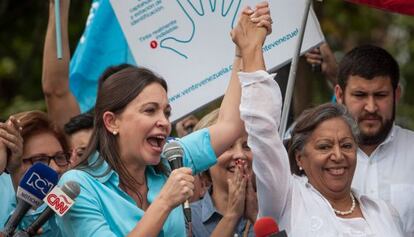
[[36, 183], [400, 6]]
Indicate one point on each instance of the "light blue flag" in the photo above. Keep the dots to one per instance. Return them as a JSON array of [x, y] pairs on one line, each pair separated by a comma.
[[102, 45]]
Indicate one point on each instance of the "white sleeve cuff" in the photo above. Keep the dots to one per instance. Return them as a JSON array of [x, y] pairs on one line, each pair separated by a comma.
[[247, 78]]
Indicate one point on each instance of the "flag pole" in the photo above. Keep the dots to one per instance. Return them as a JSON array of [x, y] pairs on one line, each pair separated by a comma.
[[58, 30], [293, 70]]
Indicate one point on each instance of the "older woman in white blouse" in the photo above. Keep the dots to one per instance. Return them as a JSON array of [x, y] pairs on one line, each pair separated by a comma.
[[317, 200]]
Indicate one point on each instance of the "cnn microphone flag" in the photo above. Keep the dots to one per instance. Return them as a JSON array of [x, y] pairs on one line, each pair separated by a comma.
[[58, 201], [400, 6]]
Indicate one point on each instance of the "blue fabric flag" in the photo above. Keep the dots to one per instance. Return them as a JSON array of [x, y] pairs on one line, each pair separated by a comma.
[[102, 45]]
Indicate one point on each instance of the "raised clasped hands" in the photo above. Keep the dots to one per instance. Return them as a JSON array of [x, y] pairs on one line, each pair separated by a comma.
[[252, 27], [10, 140]]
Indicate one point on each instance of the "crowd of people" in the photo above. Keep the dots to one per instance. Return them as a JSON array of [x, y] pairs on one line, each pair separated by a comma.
[[345, 170]]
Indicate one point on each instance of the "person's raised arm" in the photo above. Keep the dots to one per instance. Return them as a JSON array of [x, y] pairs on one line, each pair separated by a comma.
[[260, 109], [61, 104], [229, 126]]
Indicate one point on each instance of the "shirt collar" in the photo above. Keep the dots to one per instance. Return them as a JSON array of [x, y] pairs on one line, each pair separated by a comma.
[[101, 170], [390, 136], [207, 208]]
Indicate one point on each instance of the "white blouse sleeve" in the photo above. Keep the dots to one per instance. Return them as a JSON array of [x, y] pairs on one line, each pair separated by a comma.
[[260, 109]]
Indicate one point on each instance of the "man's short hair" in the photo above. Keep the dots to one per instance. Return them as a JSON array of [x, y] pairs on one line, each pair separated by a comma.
[[368, 61], [79, 122]]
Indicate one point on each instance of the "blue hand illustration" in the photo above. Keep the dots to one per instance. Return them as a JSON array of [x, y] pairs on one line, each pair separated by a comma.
[[210, 14]]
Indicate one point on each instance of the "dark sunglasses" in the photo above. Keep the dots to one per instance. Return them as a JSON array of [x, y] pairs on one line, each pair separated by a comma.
[[61, 159]]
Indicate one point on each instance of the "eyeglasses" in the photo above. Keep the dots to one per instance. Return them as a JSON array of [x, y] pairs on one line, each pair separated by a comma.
[[60, 158]]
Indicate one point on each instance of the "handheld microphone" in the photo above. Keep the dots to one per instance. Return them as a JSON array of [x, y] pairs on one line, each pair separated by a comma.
[[267, 227], [59, 201], [173, 152], [38, 180]]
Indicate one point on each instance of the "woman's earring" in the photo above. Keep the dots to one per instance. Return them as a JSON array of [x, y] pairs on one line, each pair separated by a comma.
[[115, 132], [300, 168]]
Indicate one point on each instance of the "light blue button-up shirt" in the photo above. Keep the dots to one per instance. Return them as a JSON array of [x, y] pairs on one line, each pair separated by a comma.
[[205, 218], [103, 209]]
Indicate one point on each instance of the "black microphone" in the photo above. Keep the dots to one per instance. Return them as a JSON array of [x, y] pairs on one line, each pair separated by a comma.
[[38, 180], [173, 152], [267, 227], [59, 201]]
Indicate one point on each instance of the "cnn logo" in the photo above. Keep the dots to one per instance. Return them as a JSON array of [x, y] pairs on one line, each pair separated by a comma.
[[58, 201]]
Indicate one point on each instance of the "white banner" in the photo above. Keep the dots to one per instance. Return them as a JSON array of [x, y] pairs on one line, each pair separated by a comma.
[[188, 42]]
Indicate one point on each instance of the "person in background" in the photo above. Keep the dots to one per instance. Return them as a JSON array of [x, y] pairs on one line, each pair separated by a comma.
[[317, 200], [6, 185], [78, 131], [31, 137], [122, 175], [368, 85], [186, 125], [230, 205]]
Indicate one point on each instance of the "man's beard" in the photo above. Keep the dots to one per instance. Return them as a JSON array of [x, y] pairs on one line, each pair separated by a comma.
[[379, 136], [384, 130]]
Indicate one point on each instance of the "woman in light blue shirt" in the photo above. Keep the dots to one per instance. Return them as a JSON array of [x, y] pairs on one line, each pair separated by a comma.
[[124, 187]]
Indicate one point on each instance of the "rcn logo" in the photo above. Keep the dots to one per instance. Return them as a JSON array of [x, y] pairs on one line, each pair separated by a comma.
[[59, 203], [39, 183]]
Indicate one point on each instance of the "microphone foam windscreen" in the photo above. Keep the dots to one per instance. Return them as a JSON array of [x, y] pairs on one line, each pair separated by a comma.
[[265, 226], [38, 180], [172, 150], [71, 188]]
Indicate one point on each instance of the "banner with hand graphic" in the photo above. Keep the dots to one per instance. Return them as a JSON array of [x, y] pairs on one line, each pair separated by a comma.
[[188, 42]]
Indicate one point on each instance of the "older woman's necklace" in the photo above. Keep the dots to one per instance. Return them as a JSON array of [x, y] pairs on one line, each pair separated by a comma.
[[344, 213]]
